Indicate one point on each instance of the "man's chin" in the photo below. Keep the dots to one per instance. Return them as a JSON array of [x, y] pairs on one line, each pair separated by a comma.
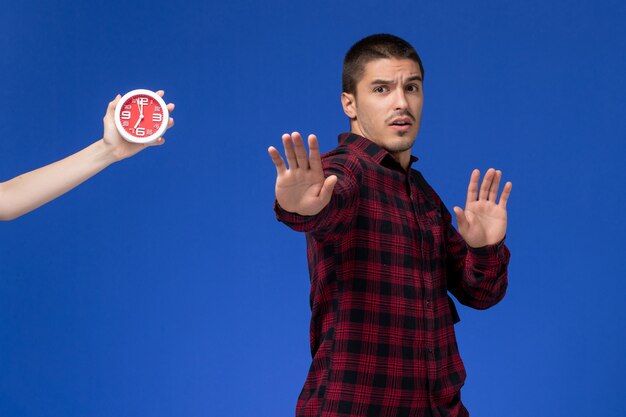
[[400, 144]]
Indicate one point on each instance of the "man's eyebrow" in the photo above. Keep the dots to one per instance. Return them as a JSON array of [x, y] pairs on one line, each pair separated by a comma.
[[380, 81], [415, 78]]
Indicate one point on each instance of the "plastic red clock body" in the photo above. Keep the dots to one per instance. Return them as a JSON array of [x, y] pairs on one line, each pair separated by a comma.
[[141, 116]]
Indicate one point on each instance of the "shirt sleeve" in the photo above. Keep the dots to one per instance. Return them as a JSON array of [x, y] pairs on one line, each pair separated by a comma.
[[477, 277], [338, 215]]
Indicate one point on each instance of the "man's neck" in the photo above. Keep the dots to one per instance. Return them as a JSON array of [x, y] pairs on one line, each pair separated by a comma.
[[403, 158]]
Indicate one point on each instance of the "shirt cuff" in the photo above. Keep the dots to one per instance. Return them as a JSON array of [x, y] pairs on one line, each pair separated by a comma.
[[296, 221], [489, 255]]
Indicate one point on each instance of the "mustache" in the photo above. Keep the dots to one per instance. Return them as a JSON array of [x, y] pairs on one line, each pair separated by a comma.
[[397, 114]]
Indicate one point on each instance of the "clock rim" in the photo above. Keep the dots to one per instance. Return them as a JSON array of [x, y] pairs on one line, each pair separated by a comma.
[[136, 139]]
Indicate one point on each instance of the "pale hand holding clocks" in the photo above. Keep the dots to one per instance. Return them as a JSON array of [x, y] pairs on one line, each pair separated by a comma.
[[141, 116]]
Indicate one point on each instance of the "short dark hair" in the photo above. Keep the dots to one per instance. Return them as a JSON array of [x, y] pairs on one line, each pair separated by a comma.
[[379, 46]]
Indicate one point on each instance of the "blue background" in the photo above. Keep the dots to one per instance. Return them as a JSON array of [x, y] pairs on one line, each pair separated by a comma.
[[165, 287]]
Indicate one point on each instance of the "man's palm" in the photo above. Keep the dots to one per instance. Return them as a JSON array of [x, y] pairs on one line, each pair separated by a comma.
[[483, 222], [301, 187]]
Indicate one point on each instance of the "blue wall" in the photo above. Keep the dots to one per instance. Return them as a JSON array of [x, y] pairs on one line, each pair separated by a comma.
[[165, 287]]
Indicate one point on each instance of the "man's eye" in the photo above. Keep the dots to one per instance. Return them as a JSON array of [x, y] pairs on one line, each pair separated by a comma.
[[380, 89], [412, 88]]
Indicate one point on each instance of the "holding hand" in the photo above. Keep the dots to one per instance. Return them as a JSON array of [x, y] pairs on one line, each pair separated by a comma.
[[483, 222], [120, 148], [28, 191], [301, 188]]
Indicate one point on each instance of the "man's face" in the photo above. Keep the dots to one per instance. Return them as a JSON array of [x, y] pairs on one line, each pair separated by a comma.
[[387, 107]]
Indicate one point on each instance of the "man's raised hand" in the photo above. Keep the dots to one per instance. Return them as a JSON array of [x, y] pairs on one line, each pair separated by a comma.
[[483, 222], [301, 187]]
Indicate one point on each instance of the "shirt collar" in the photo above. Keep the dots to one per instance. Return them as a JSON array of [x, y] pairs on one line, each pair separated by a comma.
[[366, 146]]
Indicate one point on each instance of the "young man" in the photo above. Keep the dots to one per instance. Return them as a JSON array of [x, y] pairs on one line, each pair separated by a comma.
[[383, 254], [28, 191]]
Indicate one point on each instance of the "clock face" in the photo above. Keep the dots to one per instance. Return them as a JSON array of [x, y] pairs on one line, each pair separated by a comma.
[[141, 116]]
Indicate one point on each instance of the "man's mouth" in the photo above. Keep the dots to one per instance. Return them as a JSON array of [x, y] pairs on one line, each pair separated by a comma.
[[401, 124], [401, 121]]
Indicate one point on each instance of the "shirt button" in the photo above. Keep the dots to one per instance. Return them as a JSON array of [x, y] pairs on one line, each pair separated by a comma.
[[430, 350], [427, 303]]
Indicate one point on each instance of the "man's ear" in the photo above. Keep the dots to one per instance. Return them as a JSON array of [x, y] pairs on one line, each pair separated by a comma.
[[349, 105]]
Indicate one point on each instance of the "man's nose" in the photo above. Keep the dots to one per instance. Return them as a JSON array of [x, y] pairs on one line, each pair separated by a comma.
[[400, 102]]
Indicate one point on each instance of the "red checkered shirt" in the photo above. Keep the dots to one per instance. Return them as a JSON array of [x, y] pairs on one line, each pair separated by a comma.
[[383, 256]]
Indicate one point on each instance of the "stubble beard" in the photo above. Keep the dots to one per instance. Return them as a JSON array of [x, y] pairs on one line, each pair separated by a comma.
[[402, 142], [405, 140], [402, 145]]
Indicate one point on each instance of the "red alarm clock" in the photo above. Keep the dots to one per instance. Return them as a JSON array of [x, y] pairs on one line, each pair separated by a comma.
[[141, 116]]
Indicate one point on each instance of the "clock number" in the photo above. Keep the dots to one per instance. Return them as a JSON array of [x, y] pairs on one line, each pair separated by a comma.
[[125, 115], [142, 100], [157, 117], [140, 131]]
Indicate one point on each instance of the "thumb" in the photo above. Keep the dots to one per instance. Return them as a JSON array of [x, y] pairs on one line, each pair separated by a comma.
[[113, 103], [461, 220], [327, 188]]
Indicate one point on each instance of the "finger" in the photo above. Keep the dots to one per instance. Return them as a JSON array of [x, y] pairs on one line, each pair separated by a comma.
[[160, 141], [170, 106], [113, 103], [495, 185], [461, 220], [472, 188], [483, 193], [301, 156], [170, 122], [327, 189], [111, 106], [289, 151], [506, 192], [315, 160], [278, 161]]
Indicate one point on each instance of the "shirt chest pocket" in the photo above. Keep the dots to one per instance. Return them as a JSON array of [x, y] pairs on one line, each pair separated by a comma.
[[431, 234]]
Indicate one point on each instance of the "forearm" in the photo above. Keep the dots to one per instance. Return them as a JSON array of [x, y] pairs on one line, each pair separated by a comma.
[[335, 214], [477, 277], [483, 279], [28, 191]]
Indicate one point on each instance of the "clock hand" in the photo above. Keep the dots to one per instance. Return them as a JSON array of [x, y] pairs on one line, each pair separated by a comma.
[[140, 104], [138, 121]]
